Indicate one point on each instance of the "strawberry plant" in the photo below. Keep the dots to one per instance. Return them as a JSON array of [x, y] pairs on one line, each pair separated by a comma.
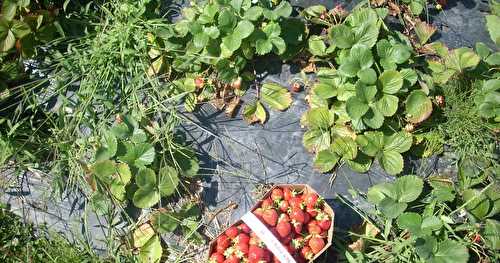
[[372, 88], [420, 221], [128, 165]]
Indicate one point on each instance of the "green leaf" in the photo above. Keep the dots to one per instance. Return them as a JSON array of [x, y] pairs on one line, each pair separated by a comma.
[[226, 20], [478, 205], [244, 29], [411, 221], [462, 58], [276, 96], [391, 162], [145, 197], [138, 136], [431, 223], [493, 59], [108, 146], [284, 9], [151, 252], [231, 43], [164, 222], [391, 81], [371, 142], [418, 106], [361, 163], [212, 31], [316, 140], [324, 90], [387, 105], [9, 8], [20, 29], [186, 160], [349, 67], [342, 36], [117, 189], [379, 192], [391, 208], [254, 112], [104, 170], [373, 118], [424, 31], [356, 107], [142, 235], [367, 76], [320, 117], [326, 160], [317, 46], [399, 142], [491, 234], [450, 251], [482, 50], [168, 181], [315, 10], [408, 188], [279, 44], [124, 173], [425, 246], [138, 155], [345, 147], [416, 7], [253, 13], [7, 38], [146, 178], [492, 22], [263, 46]]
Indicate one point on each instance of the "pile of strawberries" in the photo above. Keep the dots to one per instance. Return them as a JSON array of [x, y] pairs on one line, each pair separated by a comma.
[[298, 220]]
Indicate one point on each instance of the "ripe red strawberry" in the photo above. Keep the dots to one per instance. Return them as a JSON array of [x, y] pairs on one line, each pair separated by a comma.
[[313, 228], [296, 203], [288, 193], [324, 221], [242, 250], [223, 242], [284, 229], [232, 232], [243, 238], [296, 87], [216, 258], [316, 244], [284, 205], [270, 217], [199, 82], [244, 228], [312, 211], [297, 227], [259, 213], [284, 217], [267, 203], [307, 218], [276, 194], [266, 257], [255, 254], [307, 253], [297, 215], [311, 199]]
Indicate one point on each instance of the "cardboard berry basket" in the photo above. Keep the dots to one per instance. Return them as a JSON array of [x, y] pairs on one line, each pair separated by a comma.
[[268, 238]]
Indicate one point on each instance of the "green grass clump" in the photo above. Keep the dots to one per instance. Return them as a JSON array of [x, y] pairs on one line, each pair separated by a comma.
[[21, 242], [464, 130]]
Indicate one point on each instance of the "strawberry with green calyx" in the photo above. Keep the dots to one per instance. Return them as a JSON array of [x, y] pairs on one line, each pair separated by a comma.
[[232, 232], [283, 205], [223, 242], [297, 227], [307, 253], [296, 203], [242, 249], [313, 228], [267, 203], [312, 200], [297, 215], [312, 211], [229, 252], [324, 221], [277, 194], [255, 254], [288, 193], [232, 259], [270, 216], [316, 244]]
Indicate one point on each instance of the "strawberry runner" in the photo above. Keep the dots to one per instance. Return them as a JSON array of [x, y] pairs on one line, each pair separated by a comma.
[[272, 243]]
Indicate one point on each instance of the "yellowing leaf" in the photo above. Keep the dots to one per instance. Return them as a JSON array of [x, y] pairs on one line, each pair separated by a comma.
[[276, 96], [254, 112]]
